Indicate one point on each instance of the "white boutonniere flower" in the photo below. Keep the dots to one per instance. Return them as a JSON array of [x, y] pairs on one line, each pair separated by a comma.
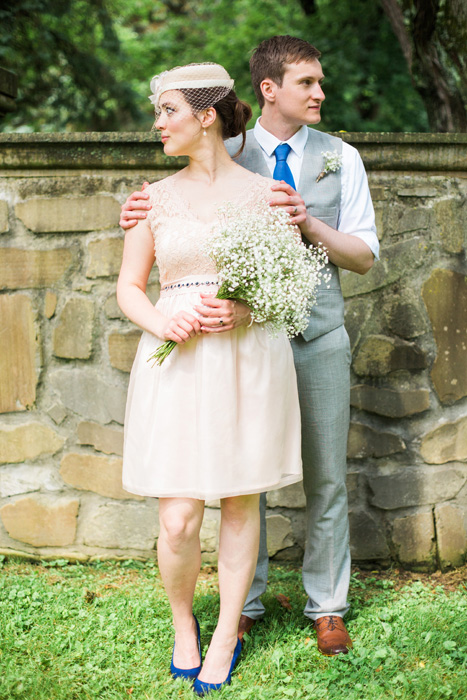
[[332, 163]]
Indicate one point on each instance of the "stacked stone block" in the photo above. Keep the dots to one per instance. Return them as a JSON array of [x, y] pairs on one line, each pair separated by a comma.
[[63, 371], [67, 351], [407, 321]]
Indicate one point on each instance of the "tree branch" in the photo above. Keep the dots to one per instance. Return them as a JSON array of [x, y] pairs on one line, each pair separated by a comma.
[[396, 18], [419, 37]]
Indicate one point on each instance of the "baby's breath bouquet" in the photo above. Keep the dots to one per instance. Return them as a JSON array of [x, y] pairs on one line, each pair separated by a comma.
[[262, 261]]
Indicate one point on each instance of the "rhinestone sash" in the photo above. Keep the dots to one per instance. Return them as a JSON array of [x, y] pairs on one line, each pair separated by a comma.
[[192, 283]]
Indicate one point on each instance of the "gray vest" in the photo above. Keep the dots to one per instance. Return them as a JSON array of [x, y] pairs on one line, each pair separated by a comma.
[[322, 200]]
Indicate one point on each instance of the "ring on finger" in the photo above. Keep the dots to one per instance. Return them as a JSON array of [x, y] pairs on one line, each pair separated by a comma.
[[221, 322], [295, 210]]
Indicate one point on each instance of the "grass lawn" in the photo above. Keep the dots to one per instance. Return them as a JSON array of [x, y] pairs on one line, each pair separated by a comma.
[[103, 631]]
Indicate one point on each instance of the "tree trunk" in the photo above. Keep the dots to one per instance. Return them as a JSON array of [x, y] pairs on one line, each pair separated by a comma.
[[308, 7], [433, 44]]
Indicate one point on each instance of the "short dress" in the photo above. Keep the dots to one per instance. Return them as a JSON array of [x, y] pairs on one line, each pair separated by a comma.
[[220, 417]]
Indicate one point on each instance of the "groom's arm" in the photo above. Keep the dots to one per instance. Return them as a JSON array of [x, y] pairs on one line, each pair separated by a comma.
[[344, 250], [354, 244]]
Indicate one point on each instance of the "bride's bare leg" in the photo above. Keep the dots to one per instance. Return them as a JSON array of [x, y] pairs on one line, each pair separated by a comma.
[[179, 558], [238, 552]]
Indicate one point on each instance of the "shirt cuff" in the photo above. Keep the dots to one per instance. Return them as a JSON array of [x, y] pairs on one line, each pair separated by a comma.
[[370, 238]]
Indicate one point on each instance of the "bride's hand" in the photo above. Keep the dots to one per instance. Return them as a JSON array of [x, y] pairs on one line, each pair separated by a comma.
[[219, 315], [182, 327]]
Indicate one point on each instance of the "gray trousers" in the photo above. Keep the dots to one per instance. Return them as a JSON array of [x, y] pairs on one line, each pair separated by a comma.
[[323, 376]]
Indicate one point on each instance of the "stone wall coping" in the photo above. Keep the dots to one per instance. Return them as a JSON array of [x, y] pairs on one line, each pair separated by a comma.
[[141, 150]]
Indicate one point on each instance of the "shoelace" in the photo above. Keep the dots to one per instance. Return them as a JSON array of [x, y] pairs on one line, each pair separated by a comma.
[[328, 620]]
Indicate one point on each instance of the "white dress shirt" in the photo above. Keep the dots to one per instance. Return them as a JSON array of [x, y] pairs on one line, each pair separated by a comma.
[[356, 214]]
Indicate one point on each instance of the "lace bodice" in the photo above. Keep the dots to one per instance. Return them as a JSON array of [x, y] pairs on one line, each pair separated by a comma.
[[179, 234]]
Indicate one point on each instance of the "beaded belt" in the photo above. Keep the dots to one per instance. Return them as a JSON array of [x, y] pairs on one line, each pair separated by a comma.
[[190, 284]]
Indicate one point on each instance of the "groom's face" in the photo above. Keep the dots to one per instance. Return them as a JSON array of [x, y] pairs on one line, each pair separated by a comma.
[[298, 100]]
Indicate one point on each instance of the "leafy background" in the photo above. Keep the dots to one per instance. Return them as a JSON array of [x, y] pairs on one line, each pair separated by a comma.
[[86, 65]]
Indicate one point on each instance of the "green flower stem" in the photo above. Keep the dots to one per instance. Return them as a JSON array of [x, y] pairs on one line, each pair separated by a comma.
[[164, 350]]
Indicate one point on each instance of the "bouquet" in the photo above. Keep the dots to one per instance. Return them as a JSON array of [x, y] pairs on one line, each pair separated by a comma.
[[262, 261]]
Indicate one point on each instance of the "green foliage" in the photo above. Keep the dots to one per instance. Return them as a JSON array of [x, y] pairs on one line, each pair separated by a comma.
[[225, 31], [87, 64], [65, 53], [367, 83], [434, 40], [81, 632]]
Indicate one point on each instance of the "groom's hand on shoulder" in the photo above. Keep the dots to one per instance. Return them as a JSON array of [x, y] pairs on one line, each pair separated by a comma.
[[136, 207], [284, 196]]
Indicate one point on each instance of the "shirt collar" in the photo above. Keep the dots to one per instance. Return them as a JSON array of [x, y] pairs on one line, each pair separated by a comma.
[[269, 142]]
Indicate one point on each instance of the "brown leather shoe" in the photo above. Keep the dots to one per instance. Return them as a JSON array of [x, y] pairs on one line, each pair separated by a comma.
[[333, 637], [244, 626]]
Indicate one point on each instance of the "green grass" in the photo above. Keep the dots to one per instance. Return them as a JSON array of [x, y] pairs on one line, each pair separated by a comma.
[[103, 631]]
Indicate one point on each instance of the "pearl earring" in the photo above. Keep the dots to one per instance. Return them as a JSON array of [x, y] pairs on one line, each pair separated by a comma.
[[205, 133]]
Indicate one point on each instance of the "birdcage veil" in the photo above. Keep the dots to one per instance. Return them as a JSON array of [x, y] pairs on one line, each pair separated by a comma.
[[203, 84]]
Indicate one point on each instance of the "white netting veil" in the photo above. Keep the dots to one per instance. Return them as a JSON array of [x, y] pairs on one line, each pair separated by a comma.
[[202, 84]]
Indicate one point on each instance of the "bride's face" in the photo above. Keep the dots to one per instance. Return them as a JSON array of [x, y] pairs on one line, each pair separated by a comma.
[[180, 129]]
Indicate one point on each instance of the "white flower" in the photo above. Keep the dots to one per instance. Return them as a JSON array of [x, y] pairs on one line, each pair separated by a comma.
[[332, 163], [263, 258]]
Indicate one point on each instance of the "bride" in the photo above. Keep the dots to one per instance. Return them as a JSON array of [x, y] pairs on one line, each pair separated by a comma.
[[220, 418]]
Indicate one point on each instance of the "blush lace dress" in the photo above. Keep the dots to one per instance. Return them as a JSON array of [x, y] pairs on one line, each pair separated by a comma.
[[221, 416]]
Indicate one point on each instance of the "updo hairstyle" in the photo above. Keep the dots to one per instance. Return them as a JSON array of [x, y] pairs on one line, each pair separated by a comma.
[[234, 114]]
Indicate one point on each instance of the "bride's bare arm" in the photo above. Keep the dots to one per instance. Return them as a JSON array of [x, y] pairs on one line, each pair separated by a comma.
[[138, 259]]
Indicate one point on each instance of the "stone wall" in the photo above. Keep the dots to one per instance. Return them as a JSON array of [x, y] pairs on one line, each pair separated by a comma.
[[66, 351]]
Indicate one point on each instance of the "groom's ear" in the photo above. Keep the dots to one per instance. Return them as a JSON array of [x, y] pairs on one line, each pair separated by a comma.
[[268, 88]]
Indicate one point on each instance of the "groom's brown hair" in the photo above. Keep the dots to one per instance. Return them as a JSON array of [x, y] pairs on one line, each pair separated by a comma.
[[270, 58]]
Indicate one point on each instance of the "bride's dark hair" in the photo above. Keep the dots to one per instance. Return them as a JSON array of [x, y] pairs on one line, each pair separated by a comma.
[[233, 113]]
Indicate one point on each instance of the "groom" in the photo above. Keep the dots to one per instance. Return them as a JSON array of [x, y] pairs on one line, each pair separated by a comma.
[[335, 210]]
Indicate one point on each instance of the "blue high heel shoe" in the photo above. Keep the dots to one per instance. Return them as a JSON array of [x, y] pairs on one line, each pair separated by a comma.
[[187, 673], [202, 688]]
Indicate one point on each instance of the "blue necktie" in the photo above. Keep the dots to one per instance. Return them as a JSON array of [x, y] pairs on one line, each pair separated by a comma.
[[282, 170]]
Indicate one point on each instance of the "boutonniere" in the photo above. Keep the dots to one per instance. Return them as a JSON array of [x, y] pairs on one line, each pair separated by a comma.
[[332, 163]]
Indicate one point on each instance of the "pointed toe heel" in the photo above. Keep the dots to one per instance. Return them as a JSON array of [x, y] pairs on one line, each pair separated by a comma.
[[201, 688], [187, 673]]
